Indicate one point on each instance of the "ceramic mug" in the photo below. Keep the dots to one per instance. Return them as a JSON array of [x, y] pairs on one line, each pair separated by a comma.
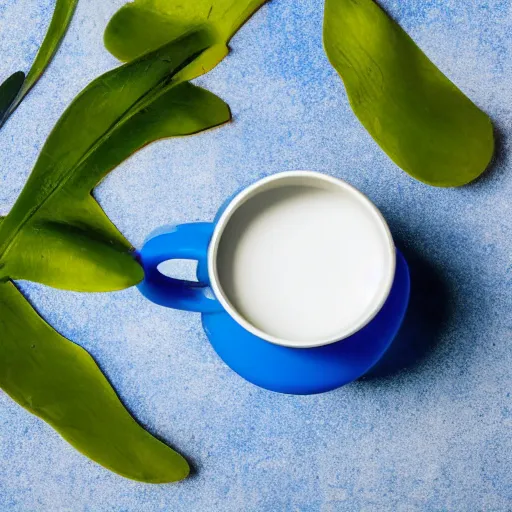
[[300, 286]]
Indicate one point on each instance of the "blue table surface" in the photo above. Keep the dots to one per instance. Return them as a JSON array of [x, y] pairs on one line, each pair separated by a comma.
[[430, 429]]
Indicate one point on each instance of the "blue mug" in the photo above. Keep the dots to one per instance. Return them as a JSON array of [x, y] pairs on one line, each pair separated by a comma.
[[299, 284]]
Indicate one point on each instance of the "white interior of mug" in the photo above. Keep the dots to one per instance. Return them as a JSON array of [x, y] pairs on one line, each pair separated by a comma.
[[301, 259]]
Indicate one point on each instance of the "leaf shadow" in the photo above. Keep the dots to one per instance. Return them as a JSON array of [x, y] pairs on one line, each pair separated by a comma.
[[430, 309]]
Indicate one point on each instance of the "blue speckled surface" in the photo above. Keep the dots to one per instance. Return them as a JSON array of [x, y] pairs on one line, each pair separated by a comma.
[[434, 437]]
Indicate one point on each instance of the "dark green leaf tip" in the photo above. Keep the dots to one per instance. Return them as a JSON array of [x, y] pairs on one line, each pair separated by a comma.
[[8, 92]]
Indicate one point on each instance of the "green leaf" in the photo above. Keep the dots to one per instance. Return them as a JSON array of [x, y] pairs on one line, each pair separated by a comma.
[[9, 90], [58, 26], [59, 381], [56, 233], [144, 25], [423, 122]]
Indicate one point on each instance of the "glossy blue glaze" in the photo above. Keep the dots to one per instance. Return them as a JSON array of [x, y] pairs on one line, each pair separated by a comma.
[[184, 242], [273, 367]]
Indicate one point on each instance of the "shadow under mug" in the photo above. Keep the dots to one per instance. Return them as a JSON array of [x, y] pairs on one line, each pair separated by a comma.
[[303, 335]]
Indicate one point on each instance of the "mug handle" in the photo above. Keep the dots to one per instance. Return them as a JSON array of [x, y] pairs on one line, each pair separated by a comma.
[[184, 242]]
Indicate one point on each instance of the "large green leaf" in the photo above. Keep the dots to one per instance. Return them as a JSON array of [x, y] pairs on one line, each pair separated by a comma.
[[58, 26], [59, 381], [144, 25], [423, 122], [56, 233]]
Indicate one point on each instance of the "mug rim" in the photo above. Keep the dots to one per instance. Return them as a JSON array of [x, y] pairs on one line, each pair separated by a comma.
[[239, 199]]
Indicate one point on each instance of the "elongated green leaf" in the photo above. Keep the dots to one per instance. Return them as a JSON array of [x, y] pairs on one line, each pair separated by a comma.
[[9, 90], [144, 25], [59, 381], [58, 26], [423, 122], [56, 233]]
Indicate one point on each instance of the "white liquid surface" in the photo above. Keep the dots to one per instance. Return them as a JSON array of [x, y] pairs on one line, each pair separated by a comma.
[[302, 263]]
